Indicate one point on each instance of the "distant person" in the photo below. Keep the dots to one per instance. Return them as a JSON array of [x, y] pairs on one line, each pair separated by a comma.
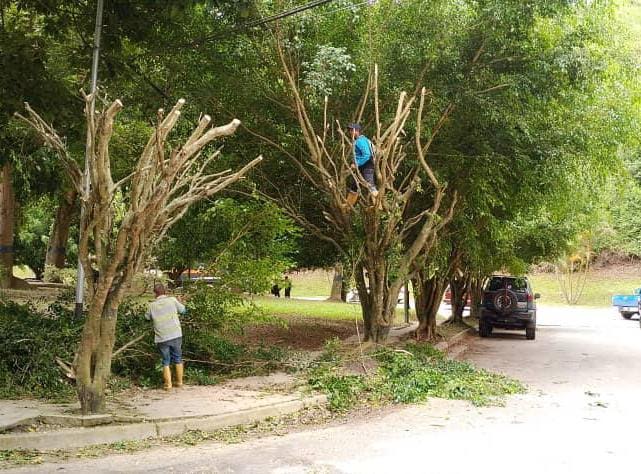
[[287, 284], [363, 164], [163, 312], [276, 290]]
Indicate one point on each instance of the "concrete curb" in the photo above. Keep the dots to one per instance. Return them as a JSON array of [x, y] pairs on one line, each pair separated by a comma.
[[447, 346], [87, 436], [14, 423]]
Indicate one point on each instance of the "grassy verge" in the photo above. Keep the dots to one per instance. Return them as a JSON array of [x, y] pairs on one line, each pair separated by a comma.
[[598, 292], [283, 307], [312, 283]]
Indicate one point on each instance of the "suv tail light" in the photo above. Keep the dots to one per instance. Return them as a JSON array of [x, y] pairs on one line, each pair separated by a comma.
[[530, 297]]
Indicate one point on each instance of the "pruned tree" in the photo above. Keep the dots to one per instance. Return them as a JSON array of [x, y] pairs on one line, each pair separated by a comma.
[[383, 235], [114, 243]]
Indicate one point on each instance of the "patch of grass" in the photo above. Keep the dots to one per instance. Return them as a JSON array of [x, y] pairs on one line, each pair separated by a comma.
[[312, 283], [20, 457], [411, 375], [282, 307], [599, 289]]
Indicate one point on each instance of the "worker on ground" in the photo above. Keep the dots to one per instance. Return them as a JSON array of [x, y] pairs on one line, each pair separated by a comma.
[[163, 312], [287, 284], [363, 162]]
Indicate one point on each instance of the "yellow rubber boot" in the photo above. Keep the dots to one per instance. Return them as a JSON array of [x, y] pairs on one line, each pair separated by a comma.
[[352, 197], [166, 377], [179, 375]]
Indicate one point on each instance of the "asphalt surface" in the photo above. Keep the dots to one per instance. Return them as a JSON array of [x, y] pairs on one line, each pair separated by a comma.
[[582, 414]]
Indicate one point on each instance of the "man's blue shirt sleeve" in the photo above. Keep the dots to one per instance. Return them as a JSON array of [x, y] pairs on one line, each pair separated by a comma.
[[362, 151]]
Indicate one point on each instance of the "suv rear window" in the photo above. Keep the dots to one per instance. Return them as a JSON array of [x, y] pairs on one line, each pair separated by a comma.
[[498, 283]]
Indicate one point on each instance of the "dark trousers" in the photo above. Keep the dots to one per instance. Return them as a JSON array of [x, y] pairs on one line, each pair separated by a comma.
[[368, 173]]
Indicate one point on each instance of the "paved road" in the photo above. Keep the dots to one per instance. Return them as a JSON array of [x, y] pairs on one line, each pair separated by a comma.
[[582, 414]]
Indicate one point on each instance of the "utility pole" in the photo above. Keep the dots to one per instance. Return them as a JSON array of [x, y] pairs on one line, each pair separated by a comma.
[[406, 301], [80, 284]]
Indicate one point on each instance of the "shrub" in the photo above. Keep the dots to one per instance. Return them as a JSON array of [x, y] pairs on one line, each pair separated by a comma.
[[32, 340], [66, 276]]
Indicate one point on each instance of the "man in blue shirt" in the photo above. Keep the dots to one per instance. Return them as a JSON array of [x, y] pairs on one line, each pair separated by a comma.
[[363, 161]]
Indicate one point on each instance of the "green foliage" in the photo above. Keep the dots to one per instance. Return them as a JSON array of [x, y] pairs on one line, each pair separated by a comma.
[[33, 234], [246, 244], [66, 276], [32, 339], [421, 373], [327, 70], [409, 376], [344, 391], [200, 376]]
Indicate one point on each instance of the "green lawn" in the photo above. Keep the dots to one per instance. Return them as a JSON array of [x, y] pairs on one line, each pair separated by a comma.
[[599, 289], [283, 307], [311, 283]]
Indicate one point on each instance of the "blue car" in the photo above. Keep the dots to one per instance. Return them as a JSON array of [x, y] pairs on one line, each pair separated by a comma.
[[628, 305]]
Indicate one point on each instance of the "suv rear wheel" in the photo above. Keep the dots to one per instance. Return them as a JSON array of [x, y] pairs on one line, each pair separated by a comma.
[[530, 332]]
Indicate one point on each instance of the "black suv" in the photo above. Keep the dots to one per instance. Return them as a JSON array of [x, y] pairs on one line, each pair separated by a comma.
[[508, 303]]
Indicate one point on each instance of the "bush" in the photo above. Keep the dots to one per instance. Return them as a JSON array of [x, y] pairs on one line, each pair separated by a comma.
[[66, 276], [32, 340]]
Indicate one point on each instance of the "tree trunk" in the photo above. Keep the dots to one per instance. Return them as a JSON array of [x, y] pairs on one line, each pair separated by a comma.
[[459, 288], [337, 284], [57, 249], [174, 275], [428, 294], [364, 298], [378, 300], [7, 225], [93, 362], [476, 296]]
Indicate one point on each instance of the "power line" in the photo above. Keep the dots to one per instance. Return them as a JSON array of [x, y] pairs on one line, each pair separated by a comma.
[[263, 21]]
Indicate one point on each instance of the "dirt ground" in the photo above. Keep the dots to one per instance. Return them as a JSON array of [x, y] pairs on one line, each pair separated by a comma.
[[299, 334]]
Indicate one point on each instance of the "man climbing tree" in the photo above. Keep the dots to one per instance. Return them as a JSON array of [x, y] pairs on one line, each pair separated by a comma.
[[363, 162]]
